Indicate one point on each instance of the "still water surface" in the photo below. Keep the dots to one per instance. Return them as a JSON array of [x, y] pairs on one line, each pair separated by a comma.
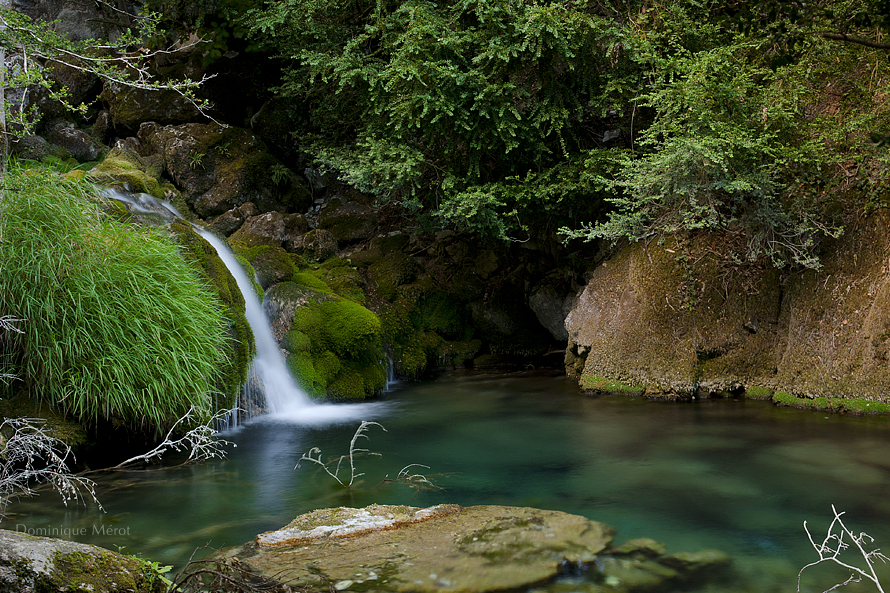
[[741, 476]]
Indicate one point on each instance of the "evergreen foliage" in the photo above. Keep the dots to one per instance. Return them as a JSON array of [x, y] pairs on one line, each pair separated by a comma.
[[118, 325], [429, 103], [515, 118]]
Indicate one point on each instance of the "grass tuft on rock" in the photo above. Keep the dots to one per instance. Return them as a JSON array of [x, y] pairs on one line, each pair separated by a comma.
[[117, 324]]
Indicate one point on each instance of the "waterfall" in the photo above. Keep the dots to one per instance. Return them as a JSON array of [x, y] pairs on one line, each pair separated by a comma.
[[269, 363], [284, 399]]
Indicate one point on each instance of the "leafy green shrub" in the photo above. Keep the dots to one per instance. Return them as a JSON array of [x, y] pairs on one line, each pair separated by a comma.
[[435, 104], [725, 151], [119, 325]]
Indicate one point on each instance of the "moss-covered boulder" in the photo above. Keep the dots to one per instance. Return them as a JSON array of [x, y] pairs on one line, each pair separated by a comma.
[[34, 564], [333, 344], [337, 349], [126, 167], [317, 244], [392, 270], [348, 220], [648, 320], [271, 264], [218, 168], [129, 107], [270, 228], [282, 300]]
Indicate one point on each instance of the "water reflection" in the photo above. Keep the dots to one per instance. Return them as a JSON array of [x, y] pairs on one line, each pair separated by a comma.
[[734, 475]]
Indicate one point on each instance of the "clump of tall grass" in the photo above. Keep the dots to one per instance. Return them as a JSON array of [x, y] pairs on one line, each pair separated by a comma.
[[117, 324]]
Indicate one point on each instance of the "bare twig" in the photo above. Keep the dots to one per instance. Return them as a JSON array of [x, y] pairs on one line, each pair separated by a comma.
[[314, 455], [835, 542], [405, 476], [200, 441], [220, 574], [30, 456]]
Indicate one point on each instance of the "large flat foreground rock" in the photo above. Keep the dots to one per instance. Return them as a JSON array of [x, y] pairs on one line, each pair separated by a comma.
[[443, 548]]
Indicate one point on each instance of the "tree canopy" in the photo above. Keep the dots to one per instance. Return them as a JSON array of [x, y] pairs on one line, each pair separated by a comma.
[[513, 116]]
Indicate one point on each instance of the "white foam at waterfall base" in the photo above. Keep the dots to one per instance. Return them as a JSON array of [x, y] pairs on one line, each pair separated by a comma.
[[285, 401]]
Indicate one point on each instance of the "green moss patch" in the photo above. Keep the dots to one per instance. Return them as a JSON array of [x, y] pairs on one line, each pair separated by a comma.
[[124, 167], [832, 404], [344, 327], [336, 347], [756, 392], [309, 280], [596, 384], [393, 270], [99, 571]]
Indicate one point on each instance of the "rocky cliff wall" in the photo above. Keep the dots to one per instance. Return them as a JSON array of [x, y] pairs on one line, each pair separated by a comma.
[[674, 320]]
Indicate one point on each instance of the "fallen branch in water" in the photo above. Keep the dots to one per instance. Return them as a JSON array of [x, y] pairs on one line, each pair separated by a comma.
[[200, 441]]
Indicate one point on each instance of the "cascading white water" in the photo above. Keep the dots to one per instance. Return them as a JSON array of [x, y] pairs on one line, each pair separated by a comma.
[[269, 363], [284, 399]]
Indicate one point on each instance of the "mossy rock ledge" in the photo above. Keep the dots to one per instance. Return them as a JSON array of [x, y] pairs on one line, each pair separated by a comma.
[[37, 564], [449, 548]]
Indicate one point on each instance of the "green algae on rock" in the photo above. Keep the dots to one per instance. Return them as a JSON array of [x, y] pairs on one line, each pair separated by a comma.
[[676, 320]]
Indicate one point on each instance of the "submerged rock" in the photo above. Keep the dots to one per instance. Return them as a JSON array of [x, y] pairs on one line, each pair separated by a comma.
[[442, 548]]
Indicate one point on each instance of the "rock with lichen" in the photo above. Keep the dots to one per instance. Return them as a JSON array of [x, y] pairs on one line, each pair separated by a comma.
[[444, 548], [32, 564]]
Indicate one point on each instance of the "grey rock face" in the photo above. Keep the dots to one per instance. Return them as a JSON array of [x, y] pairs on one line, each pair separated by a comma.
[[551, 309], [77, 142], [30, 564]]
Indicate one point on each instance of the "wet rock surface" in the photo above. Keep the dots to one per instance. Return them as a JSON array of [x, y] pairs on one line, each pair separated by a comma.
[[443, 548], [474, 549]]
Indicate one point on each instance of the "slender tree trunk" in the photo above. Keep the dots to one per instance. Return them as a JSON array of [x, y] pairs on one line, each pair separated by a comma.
[[4, 137]]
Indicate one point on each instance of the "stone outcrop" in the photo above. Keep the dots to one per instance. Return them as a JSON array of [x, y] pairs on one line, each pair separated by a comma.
[[78, 21], [30, 564], [676, 321], [444, 548], [78, 143], [219, 168], [129, 107], [447, 548], [348, 220]]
